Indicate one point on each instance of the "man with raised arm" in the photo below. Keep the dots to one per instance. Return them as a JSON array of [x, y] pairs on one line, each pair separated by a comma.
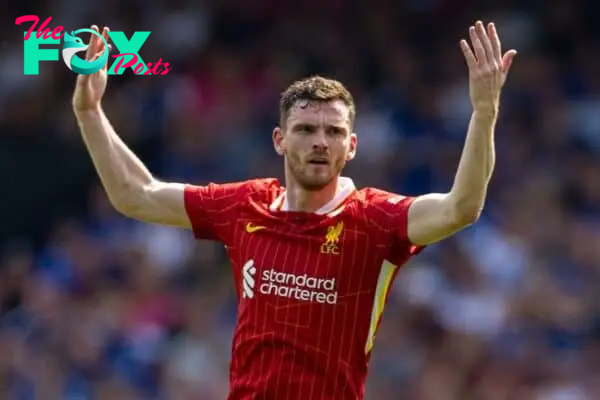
[[313, 259]]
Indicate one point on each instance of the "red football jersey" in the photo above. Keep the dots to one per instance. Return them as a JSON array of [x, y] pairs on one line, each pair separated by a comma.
[[311, 286]]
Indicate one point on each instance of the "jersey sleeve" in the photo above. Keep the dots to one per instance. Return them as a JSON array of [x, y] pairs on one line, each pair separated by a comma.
[[393, 210], [213, 208]]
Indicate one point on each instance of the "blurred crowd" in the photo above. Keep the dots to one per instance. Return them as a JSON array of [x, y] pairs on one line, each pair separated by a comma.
[[96, 306]]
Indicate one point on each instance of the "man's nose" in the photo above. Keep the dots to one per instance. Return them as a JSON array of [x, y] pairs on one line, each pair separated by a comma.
[[320, 140]]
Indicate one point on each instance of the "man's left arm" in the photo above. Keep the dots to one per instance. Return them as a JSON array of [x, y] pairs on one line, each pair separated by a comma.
[[435, 216]]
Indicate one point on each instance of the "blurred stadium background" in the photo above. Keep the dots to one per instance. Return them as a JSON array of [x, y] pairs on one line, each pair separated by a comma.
[[95, 306]]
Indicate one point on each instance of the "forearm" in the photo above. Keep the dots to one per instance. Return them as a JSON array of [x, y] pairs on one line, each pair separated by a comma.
[[121, 172], [476, 166]]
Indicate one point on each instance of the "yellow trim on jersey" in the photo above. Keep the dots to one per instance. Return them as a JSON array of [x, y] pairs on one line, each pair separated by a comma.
[[383, 284]]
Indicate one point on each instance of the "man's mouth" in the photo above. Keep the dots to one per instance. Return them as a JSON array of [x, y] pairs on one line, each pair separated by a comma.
[[318, 161]]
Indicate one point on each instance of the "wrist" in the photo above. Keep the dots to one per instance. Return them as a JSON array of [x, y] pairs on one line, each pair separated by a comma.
[[86, 112], [485, 113]]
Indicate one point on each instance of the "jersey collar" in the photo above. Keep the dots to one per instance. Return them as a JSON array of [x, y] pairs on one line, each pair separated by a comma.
[[345, 188]]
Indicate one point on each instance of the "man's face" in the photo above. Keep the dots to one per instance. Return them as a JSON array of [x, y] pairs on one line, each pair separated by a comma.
[[317, 141]]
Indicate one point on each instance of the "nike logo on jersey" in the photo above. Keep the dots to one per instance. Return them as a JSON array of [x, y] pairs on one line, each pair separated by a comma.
[[251, 228]]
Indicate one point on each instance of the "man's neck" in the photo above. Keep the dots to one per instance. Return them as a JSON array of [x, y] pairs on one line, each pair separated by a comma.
[[300, 199]]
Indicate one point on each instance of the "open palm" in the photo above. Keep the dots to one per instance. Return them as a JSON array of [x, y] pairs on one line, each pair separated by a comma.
[[89, 89], [488, 67]]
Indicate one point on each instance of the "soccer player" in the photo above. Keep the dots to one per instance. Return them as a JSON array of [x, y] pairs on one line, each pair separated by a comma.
[[313, 259]]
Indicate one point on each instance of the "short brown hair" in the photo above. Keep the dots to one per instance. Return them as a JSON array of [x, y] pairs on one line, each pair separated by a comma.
[[315, 88]]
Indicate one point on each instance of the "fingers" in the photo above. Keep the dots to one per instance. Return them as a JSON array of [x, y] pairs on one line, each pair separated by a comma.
[[485, 49], [89, 55], [477, 46], [100, 46], [96, 46], [507, 61], [91, 50], [485, 42], [105, 33], [468, 53], [495, 40]]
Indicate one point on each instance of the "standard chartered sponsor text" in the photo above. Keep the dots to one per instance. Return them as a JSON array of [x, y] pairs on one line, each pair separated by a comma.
[[300, 287]]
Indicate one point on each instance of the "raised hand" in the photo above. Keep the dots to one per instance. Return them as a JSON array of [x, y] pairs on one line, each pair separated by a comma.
[[488, 67], [89, 89]]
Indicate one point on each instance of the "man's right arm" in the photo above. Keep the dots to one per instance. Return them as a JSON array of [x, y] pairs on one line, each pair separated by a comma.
[[130, 187]]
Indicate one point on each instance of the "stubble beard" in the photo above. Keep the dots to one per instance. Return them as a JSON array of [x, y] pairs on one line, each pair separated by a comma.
[[316, 183]]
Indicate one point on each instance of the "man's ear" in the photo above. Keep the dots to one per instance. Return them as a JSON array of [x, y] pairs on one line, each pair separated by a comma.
[[278, 141], [353, 146]]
